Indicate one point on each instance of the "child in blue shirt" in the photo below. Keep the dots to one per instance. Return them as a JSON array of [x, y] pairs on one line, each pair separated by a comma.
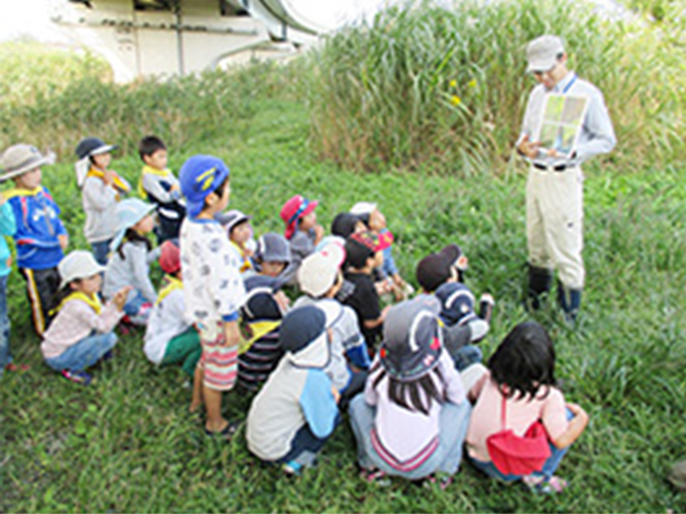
[[40, 235], [296, 411]]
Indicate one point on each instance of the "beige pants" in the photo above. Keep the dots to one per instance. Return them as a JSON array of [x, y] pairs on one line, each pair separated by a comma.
[[554, 223]]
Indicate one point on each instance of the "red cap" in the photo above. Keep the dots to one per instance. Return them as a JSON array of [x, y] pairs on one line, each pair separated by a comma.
[[295, 208], [372, 241], [170, 256]]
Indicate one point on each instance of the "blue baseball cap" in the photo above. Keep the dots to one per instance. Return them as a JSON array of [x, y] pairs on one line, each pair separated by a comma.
[[199, 176]]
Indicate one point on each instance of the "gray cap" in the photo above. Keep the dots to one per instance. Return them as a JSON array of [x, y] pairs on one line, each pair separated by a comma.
[[542, 52], [272, 247], [231, 218], [19, 159], [412, 339]]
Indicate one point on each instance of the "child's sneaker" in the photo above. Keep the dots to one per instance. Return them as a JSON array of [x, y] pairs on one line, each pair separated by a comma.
[[292, 468], [80, 377], [443, 482], [375, 476], [540, 485]]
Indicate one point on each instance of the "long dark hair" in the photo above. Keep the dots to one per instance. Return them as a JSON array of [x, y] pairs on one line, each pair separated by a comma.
[[62, 293], [131, 236], [524, 362], [399, 392]]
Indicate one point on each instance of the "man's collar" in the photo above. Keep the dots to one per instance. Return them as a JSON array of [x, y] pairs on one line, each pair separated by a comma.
[[562, 84]]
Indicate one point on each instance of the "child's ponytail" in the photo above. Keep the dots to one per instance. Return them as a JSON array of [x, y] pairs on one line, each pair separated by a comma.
[[132, 236]]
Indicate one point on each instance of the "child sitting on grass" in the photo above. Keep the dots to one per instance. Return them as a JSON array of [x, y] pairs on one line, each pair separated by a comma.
[[102, 188], [239, 230], [302, 230], [413, 417], [519, 390], [457, 309], [40, 236], [296, 411], [320, 278], [169, 338], [82, 332], [272, 255], [131, 257], [375, 221], [261, 316], [364, 253], [213, 288], [158, 185]]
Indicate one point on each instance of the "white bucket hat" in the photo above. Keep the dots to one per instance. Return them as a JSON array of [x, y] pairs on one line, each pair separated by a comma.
[[363, 208], [542, 52], [129, 212], [77, 264], [18, 159]]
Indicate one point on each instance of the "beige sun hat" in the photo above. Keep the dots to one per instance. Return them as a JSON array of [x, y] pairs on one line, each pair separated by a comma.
[[18, 159], [542, 52]]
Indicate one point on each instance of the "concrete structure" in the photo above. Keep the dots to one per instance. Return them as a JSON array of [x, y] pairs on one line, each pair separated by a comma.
[[142, 38]]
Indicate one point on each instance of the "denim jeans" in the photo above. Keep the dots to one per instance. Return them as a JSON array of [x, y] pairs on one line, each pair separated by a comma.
[[453, 424], [5, 356], [305, 446], [466, 356], [549, 467], [134, 303], [83, 354], [101, 250]]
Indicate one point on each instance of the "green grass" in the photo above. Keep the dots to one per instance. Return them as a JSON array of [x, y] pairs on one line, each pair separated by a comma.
[[127, 443]]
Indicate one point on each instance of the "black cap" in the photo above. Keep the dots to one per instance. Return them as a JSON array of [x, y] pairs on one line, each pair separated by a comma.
[[344, 224], [300, 327], [92, 146]]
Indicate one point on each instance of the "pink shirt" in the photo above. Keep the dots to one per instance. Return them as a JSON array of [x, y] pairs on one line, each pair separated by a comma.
[[520, 414], [75, 321]]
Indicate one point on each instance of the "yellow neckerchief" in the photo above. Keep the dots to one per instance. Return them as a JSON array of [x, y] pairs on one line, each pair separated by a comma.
[[173, 284], [247, 263], [20, 191], [92, 301], [122, 186], [152, 171], [251, 332]]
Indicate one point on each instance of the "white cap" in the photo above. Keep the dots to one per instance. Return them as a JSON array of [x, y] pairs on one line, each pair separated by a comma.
[[78, 264], [318, 270], [542, 53], [363, 208]]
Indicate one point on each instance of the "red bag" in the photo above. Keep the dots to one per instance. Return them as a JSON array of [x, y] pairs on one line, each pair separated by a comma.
[[515, 455]]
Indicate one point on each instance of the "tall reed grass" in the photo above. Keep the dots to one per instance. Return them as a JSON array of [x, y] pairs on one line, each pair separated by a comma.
[[424, 84]]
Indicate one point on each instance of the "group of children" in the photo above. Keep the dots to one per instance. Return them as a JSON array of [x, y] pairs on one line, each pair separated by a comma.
[[408, 374]]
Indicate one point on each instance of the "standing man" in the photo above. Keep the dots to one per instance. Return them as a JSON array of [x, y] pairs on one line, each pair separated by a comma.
[[554, 191]]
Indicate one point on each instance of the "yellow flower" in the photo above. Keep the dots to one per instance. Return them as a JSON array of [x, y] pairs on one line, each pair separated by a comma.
[[455, 100], [472, 83], [453, 83]]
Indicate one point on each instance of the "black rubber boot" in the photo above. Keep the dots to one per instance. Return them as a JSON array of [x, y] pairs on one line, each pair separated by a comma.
[[540, 283], [570, 301]]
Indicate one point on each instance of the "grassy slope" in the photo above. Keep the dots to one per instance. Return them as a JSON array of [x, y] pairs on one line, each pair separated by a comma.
[[126, 443]]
